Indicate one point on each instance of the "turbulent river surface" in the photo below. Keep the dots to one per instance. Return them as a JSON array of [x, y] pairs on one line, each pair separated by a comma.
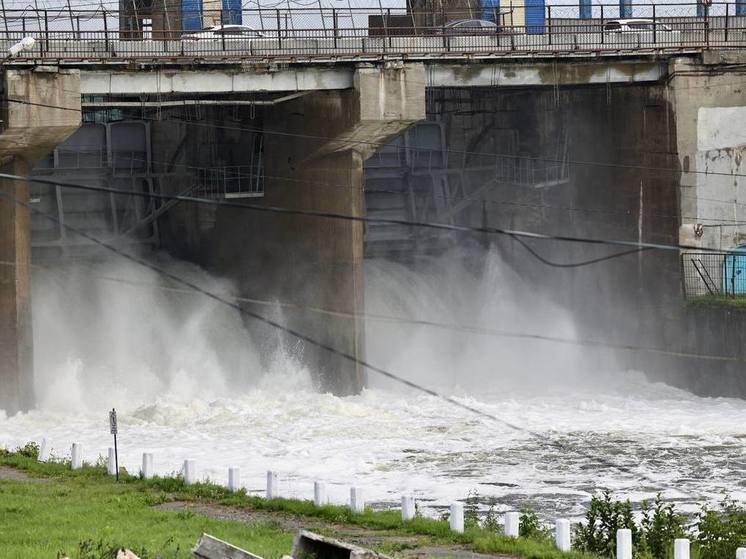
[[187, 385], [689, 448]]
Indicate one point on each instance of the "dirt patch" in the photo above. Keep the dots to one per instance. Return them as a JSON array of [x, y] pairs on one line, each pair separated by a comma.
[[14, 475], [409, 546]]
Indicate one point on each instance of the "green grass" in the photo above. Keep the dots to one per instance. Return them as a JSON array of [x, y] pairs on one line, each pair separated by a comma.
[[40, 518], [738, 302]]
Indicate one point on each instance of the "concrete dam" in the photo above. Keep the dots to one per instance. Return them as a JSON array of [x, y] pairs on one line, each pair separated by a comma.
[[634, 145]]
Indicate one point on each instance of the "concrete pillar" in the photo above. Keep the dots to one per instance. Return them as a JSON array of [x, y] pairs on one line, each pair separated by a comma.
[[314, 150], [16, 343], [41, 108]]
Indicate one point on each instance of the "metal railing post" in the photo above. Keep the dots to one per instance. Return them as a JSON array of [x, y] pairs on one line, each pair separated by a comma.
[[549, 24], [443, 26], [222, 29], [335, 24], [602, 24], [655, 26], [727, 17], [46, 29], [279, 29], [106, 33], [707, 26], [386, 26]]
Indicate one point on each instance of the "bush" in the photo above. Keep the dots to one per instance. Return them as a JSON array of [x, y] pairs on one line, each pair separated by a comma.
[[659, 527], [30, 450], [717, 534], [721, 531], [604, 517], [530, 527]]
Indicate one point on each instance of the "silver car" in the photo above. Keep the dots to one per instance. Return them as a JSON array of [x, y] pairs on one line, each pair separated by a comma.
[[230, 31]]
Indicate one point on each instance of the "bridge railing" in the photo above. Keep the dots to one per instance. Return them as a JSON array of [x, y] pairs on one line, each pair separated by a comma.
[[320, 33]]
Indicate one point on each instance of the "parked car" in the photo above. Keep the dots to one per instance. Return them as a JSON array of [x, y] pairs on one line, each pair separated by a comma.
[[230, 31], [636, 26], [469, 27]]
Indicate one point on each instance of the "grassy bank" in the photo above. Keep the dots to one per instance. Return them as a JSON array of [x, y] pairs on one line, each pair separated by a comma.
[[722, 301], [84, 512]]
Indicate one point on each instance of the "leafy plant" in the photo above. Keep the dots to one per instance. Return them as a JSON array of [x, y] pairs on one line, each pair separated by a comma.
[[530, 527], [490, 518], [602, 520], [471, 510], [720, 531], [659, 527], [29, 450]]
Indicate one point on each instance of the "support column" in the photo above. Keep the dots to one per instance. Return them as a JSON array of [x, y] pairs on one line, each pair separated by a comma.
[[40, 108], [16, 343], [314, 152]]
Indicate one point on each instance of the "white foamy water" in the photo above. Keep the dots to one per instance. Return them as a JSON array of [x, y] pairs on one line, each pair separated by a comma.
[[184, 376]]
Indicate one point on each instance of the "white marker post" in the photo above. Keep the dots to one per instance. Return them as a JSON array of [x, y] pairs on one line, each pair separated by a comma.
[[234, 479], [76, 458], [681, 548], [357, 501], [562, 534], [147, 465], [189, 472], [407, 508], [111, 463], [43, 451], [457, 518], [741, 553], [319, 493], [272, 491], [624, 543], [512, 524]]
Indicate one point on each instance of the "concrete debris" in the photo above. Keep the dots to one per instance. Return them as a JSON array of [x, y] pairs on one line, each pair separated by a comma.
[[209, 547], [126, 554], [310, 544]]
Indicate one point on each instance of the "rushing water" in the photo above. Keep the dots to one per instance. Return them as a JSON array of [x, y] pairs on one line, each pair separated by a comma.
[[188, 385]]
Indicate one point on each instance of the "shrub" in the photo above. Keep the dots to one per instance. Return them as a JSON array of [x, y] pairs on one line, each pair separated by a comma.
[[721, 531], [604, 517]]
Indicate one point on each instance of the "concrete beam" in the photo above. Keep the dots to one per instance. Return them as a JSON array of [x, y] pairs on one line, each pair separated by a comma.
[[519, 74], [309, 78], [384, 102], [316, 78], [41, 109]]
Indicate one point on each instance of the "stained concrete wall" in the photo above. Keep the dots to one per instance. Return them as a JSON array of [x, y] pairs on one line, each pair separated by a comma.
[[710, 109]]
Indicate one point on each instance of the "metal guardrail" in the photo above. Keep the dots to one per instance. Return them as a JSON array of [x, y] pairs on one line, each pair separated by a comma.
[[713, 274], [323, 33]]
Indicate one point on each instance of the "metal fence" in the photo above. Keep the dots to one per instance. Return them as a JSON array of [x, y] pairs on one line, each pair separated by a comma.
[[713, 274], [328, 32]]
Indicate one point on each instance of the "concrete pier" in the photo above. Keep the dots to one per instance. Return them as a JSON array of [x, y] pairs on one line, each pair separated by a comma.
[[314, 148], [314, 152], [40, 109]]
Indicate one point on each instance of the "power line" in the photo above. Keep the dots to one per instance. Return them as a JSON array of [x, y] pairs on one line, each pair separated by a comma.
[[326, 347], [363, 219]]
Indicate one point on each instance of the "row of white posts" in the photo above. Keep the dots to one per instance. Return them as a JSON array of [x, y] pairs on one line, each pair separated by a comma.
[[357, 504]]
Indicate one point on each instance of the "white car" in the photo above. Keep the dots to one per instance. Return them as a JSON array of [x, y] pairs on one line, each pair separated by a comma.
[[640, 32], [636, 26], [230, 31]]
